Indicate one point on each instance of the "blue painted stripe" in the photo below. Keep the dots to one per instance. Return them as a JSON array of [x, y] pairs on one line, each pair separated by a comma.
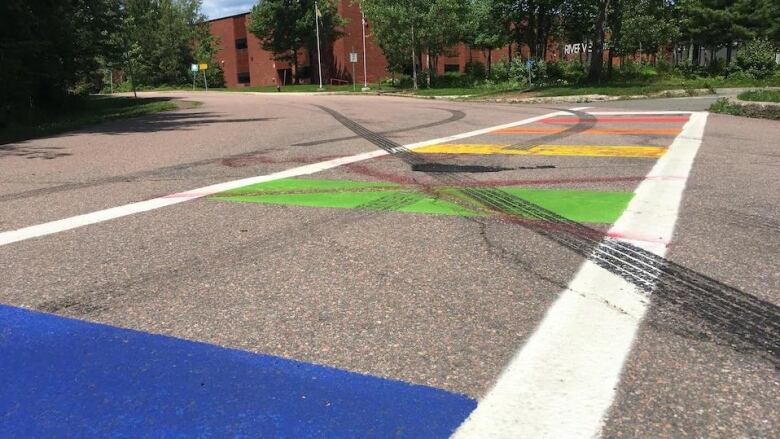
[[67, 378]]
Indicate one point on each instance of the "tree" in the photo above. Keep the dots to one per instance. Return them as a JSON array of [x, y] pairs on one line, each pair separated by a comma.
[[597, 54], [442, 25], [205, 51], [535, 22], [409, 28], [160, 35], [646, 26], [392, 25], [487, 27], [50, 50], [284, 27]]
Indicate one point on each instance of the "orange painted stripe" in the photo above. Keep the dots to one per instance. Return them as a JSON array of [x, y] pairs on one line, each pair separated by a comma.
[[543, 130], [570, 150]]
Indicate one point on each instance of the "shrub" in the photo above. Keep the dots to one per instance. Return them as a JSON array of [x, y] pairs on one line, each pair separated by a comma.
[[574, 72], [453, 79], [647, 72], [629, 68], [757, 58], [641, 70], [499, 71], [663, 67], [687, 70], [739, 75], [475, 70], [517, 70]]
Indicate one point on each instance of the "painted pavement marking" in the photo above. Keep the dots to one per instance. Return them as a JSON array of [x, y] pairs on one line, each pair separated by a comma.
[[546, 150], [12, 236], [630, 119], [562, 381], [622, 131], [586, 206], [62, 377], [643, 113]]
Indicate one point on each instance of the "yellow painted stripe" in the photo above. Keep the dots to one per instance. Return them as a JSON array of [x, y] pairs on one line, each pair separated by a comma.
[[628, 131], [570, 150], [599, 151]]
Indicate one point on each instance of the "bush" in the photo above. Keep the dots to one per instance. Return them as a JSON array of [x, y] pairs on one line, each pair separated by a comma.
[[633, 70], [687, 70], [647, 72], [574, 72], [499, 71], [559, 72], [400, 80], [475, 70], [717, 67], [663, 67], [517, 70], [757, 58], [739, 75], [453, 79]]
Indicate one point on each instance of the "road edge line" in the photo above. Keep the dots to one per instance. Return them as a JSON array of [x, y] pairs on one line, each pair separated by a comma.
[[562, 381], [52, 227]]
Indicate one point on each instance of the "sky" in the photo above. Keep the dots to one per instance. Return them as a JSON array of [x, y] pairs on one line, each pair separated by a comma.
[[224, 8]]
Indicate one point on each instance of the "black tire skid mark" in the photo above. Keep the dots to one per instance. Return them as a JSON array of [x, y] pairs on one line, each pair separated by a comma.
[[587, 121], [455, 115], [737, 317], [391, 202]]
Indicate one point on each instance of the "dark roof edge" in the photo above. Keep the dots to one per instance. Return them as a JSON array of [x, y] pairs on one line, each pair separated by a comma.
[[229, 16]]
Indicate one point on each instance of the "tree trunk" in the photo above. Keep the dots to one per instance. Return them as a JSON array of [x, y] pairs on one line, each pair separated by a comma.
[[597, 54], [414, 63], [430, 69], [295, 66], [489, 61], [690, 53]]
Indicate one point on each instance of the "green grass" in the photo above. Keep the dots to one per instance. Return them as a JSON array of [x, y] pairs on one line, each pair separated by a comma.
[[750, 110], [300, 88], [471, 92], [306, 88], [84, 112], [760, 96], [616, 88]]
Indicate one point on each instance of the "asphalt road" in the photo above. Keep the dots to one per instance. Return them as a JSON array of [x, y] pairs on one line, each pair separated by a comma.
[[429, 277]]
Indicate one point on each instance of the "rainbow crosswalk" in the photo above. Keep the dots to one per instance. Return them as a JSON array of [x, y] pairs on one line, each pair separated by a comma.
[[599, 125]]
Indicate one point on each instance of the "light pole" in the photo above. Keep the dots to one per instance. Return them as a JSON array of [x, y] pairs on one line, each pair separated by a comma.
[[365, 69], [317, 16]]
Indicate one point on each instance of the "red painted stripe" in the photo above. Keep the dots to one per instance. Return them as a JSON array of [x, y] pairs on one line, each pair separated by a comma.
[[650, 119]]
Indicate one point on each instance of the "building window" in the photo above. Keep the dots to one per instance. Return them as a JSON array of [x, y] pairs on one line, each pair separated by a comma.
[[243, 78], [451, 68], [241, 43]]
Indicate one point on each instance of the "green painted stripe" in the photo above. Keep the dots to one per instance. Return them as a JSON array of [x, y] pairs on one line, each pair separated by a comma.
[[576, 205], [302, 184]]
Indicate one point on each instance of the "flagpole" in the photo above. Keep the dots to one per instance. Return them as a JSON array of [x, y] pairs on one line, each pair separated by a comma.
[[319, 55]]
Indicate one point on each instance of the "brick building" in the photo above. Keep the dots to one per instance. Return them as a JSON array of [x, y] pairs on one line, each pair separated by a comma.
[[245, 63]]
